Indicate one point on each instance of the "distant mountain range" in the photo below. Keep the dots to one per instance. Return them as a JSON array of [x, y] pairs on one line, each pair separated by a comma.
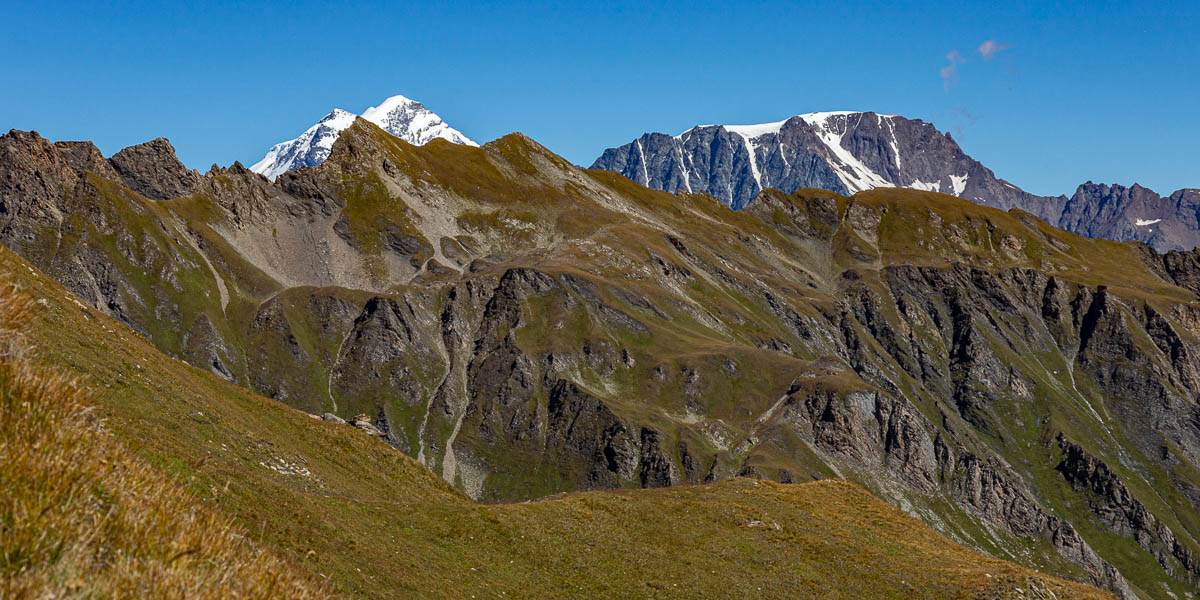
[[402, 117], [842, 151], [848, 152]]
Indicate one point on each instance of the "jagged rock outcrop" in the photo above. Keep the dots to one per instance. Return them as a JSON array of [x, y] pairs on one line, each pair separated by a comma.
[[1115, 506], [152, 170], [35, 176]]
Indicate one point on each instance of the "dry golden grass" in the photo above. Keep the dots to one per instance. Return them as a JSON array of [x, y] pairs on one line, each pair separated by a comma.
[[81, 516]]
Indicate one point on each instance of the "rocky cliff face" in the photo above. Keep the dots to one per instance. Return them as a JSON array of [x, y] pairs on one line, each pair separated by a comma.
[[845, 152], [524, 327]]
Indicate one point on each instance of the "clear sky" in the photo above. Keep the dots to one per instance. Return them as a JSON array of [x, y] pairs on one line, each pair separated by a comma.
[[1100, 91]]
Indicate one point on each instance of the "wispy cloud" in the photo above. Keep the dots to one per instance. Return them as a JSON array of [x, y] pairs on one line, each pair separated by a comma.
[[990, 48], [950, 72]]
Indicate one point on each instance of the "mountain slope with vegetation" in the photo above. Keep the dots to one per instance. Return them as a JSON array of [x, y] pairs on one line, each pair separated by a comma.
[[237, 478], [525, 328]]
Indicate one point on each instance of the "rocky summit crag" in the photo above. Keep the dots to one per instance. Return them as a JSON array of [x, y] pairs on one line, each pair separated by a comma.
[[524, 327], [849, 152]]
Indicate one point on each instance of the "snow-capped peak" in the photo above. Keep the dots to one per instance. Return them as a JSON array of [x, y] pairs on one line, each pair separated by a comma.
[[391, 103], [311, 148], [411, 121], [402, 117]]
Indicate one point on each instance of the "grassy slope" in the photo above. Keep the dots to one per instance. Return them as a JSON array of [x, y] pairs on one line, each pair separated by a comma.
[[82, 516], [378, 524]]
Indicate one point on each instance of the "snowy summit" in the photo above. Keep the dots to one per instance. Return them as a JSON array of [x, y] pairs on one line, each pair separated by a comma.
[[402, 117]]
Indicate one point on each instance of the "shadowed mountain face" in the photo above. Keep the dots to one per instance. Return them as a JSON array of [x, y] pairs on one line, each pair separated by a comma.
[[848, 152], [523, 327]]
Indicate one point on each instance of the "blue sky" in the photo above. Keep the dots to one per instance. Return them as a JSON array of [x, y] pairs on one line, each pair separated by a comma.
[[1076, 91]]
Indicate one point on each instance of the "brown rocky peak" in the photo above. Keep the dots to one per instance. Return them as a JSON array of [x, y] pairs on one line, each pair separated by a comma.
[[85, 156], [24, 137], [32, 170], [152, 170]]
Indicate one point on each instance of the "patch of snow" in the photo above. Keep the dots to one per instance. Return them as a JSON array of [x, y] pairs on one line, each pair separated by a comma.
[[750, 133], [1144, 222], [830, 129], [411, 121], [959, 182], [687, 179], [753, 131], [751, 147], [893, 143], [645, 173], [917, 184]]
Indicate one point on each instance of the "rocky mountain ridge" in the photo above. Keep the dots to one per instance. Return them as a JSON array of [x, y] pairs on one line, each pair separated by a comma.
[[848, 152], [523, 327], [845, 152], [1134, 213]]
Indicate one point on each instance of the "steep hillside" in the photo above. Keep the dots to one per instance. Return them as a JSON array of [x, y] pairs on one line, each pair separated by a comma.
[[524, 328], [373, 522]]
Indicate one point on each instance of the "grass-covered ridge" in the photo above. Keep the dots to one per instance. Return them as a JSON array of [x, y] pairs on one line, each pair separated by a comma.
[[377, 524]]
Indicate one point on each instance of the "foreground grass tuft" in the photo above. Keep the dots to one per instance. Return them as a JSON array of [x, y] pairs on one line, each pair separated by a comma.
[[81, 516]]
